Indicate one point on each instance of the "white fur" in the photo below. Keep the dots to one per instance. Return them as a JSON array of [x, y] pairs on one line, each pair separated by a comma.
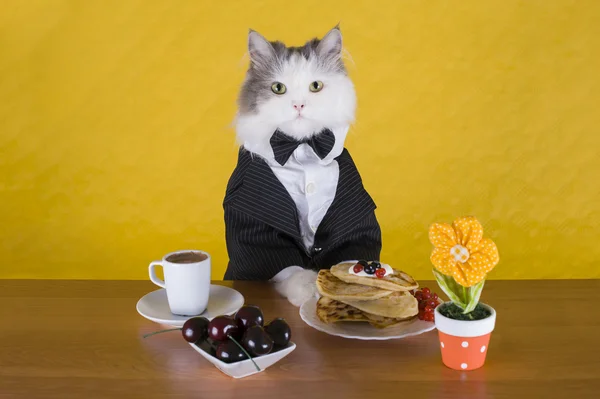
[[332, 107], [299, 286]]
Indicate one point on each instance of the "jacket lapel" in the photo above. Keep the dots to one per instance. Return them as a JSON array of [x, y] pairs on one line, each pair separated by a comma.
[[351, 203], [255, 190]]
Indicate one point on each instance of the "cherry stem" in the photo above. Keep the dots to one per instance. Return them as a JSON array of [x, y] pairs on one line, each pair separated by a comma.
[[246, 353], [161, 331]]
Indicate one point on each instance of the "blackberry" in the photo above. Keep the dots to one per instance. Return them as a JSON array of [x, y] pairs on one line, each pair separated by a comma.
[[370, 269]]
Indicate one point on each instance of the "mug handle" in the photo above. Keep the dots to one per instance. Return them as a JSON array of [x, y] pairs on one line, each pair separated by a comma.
[[153, 277]]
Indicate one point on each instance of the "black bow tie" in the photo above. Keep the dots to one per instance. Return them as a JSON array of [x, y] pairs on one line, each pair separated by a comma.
[[284, 146]]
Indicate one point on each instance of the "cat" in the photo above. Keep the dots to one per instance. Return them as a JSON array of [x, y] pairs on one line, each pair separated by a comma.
[[295, 202]]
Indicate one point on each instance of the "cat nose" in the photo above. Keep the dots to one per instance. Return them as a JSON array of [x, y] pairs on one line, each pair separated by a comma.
[[298, 105]]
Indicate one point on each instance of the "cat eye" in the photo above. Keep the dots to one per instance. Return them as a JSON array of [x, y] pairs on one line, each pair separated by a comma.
[[278, 88], [316, 86]]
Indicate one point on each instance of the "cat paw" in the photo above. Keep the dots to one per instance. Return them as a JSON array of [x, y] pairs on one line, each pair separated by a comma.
[[298, 287]]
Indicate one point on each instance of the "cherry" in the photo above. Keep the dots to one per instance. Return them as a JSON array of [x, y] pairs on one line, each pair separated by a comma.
[[208, 346], [380, 273], [357, 268], [426, 290], [229, 352], [256, 341], [249, 315], [222, 327], [432, 303], [426, 295], [428, 309], [435, 296], [195, 329], [212, 344], [419, 295], [363, 263], [422, 305], [428, 317], [279, 331]]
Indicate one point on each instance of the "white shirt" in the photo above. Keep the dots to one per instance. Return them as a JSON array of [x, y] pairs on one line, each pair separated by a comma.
[[310, 181]]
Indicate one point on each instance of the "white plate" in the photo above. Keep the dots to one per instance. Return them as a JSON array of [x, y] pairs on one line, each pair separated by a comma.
[[246, 367], [222, 301], [362, 330]]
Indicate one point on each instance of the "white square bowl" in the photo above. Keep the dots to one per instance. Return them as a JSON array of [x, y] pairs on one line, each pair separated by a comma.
[[245, 368]]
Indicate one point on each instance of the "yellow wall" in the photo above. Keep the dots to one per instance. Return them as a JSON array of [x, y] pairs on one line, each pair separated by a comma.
[[116, 146]]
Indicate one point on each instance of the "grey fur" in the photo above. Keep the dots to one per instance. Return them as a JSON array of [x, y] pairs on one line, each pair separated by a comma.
[[265, 64]]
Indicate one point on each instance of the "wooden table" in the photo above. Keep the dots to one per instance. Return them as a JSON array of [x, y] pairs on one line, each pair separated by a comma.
[[83, 339]]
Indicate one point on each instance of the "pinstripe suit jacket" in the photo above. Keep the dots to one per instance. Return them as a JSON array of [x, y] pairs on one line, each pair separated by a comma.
[[262, 230]]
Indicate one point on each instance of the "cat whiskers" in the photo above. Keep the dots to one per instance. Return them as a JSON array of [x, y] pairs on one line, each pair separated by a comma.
[[347, 56]]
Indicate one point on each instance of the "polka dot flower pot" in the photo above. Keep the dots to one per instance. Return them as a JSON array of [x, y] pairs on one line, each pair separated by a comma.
[[464, 344]]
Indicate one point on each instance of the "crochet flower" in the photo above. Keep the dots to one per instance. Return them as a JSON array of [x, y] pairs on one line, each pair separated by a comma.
[[461, 251]]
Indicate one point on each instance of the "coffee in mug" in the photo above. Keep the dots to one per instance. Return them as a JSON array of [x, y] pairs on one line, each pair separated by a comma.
[[187, 280], [186, 257]]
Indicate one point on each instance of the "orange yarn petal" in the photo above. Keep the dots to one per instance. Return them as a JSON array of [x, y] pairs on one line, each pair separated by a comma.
[[442, 235], [485, 257], [473, 274], [460, 277], [481, 262], [469, 231], [443, 260]]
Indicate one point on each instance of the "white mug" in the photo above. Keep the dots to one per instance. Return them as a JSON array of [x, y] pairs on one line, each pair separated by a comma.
[[187, 284]]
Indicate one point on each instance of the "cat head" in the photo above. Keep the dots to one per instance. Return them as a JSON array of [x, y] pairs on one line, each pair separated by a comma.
[[299, 90]]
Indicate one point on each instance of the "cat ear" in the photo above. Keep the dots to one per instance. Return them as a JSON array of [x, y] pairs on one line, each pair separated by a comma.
[[331, 44], [259, 48]]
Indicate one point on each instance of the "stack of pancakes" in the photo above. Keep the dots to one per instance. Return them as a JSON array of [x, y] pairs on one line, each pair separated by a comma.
[[382, 302]]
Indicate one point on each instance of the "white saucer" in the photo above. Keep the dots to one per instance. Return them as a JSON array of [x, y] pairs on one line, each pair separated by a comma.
[[222, 301]]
